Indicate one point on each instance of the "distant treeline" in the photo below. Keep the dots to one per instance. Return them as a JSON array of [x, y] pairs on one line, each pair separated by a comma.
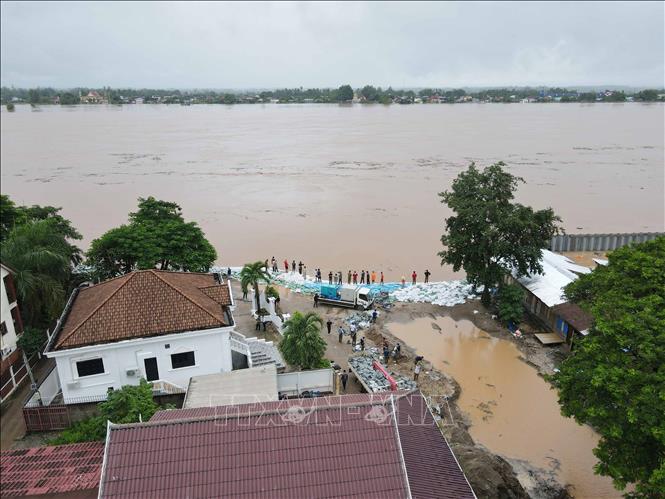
[[344, 93]]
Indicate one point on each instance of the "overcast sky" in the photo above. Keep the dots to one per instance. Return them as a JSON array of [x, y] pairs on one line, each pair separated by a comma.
[[261, 45]]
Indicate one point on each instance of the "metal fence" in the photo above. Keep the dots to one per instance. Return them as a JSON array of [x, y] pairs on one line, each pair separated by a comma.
[[599, 242], [16, 374], [46, 418]]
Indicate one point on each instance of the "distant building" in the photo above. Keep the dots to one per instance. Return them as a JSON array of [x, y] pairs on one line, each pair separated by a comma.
[[93, 98]]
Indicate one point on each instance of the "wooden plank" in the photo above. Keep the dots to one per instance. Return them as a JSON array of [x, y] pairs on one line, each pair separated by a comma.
[[549, 338]]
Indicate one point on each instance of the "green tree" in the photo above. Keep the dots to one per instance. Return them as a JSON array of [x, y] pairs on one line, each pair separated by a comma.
[[69, 99], [250, 275], [41, 257], [489, 234], [32, 340], [344, 93], [130, 404], [302, 344], [615, 379], [33, 96], [271, 292], [9, 214], [510, 303], [157, 236]]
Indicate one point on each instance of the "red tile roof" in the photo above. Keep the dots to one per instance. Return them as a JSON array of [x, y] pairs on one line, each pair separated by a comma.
[[324, 447], [51, 470], [144, 303]]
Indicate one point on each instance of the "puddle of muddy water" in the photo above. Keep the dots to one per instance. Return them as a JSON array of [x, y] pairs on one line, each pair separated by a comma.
[[513, 411]]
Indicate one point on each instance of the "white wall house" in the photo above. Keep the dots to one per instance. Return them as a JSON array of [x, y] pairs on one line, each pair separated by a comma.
[[10, 318], [90, 372], [160, 326]]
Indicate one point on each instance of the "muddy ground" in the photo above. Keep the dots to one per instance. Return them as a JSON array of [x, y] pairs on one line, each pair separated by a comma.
[[490, 475]]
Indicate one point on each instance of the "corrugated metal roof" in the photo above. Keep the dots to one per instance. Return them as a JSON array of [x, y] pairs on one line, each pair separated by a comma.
[[51, 470], [558, 272], [328, 447]]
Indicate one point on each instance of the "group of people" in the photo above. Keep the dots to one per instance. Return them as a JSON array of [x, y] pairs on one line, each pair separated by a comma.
[[352, 277]]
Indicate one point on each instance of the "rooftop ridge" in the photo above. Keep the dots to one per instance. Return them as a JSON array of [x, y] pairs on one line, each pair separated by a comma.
[[236, 414], [131, 275], [156, 273]]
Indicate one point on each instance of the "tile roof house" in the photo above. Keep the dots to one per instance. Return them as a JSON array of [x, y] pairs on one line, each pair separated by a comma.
[[162, 326], [385, 445], [60, 471]]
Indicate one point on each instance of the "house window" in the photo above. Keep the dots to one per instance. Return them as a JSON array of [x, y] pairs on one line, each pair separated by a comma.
[[9, 288], [3, 329], [90, 367], [185, 359]]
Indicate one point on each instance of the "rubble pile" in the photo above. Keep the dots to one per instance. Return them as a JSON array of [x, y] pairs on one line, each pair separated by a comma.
[[373, 380], [359, 320], [446, 293]]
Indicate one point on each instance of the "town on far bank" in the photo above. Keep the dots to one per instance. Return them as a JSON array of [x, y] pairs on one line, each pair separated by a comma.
[[10, 96], [150, 340]]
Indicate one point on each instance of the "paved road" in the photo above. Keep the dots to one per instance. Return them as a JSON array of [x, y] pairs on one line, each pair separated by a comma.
[[11, 411]]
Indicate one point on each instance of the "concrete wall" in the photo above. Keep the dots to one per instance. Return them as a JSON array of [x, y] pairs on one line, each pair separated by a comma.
[[599, 242], [296, 382], [47, 390], [212, 352]]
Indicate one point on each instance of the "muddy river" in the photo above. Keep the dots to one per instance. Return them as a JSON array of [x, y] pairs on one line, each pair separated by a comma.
[[335, 186], [513, 412]]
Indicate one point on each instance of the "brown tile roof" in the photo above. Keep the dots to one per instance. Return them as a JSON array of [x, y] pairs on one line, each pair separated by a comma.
[[51, 470], [144, 303], [574, 315], [340, 446]]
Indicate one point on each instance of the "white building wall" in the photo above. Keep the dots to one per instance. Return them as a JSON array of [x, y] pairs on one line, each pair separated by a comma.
[[8, 340], [212, 353]]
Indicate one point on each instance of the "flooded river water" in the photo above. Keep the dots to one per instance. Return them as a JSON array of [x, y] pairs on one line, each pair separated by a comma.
[[513, 411], [336, 186]]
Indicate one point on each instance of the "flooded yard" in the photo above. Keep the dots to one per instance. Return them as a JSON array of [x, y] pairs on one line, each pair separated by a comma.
[[513, 411]]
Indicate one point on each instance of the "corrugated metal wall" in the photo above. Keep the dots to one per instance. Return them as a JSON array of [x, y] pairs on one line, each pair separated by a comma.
[[599, 242]]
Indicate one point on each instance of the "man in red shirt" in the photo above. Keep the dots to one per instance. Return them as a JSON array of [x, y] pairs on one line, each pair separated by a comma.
[[413, 277]]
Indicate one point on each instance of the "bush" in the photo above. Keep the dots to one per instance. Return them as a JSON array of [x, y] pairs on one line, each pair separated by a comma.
[[130, 404], [271, 292], [510, 303], [32, 340]]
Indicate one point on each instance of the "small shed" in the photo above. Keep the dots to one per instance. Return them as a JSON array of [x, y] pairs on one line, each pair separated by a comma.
[[243, 386]]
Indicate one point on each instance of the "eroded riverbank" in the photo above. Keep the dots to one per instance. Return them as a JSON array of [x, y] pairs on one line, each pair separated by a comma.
[[511, 409], [493, 400]]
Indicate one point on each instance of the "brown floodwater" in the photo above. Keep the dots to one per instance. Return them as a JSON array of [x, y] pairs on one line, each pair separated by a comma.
[[513, 411], [335, 186]]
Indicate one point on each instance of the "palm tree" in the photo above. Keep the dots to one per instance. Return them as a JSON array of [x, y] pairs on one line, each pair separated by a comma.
[[250, 275], [302, 344], [41, 258]]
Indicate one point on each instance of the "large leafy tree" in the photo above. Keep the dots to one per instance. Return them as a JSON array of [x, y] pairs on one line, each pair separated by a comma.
[[615, 379], [12, 216], [41, 257], [489, 233], [302, 344], [344, 93], [250, 275], [157, 236]]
